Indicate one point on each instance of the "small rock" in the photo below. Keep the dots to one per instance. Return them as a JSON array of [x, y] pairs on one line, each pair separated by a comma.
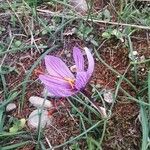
[[34, 119], [133, 56], [73, 68], [66, 52], [10, 107], [68, 55], [38, 102], [108, 96], [79, 5], [103, 112], [135, 53], [143, 69]]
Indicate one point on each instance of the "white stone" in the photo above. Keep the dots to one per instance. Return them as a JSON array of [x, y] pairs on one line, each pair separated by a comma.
[[39, 102], [133, 55], [79, 5], [143, 69], [103, 112], [35, 118], [10, 107], [108, 96]]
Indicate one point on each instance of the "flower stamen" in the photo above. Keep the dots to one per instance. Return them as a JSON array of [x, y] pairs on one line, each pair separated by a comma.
[[71, 82]]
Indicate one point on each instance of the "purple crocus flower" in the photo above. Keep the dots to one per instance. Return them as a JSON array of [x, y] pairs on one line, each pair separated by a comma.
[[60, 81]]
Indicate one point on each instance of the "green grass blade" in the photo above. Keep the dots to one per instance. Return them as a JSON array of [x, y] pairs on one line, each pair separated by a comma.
[[1, 119], [149, 91], [14, 146], [9, 99], [145, 129], [5, 134]]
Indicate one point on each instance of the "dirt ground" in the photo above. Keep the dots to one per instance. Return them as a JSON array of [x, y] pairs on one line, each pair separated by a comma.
[[123, 129]]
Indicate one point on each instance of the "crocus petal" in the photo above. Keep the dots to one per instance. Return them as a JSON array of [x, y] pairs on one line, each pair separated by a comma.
[[90, 58], [59, 92], [56, 87], [81, 80], [78, 58], [52, 81], [56, 67]]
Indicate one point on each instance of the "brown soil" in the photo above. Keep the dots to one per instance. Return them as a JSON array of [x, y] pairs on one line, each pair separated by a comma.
[[123, 130]]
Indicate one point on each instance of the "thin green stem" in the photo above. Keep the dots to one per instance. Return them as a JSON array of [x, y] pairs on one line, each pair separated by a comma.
[[104, 131], [132, 56]]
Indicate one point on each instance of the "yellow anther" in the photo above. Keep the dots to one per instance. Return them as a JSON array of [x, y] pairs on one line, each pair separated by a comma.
[[71, 82]]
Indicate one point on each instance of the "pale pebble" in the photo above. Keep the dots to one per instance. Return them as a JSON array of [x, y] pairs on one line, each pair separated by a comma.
[[103, 112], [40, 102], [34, 119], [10, 107], [108, 96]]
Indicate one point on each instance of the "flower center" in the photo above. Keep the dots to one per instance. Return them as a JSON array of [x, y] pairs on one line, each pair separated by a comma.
[[71, 82]]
